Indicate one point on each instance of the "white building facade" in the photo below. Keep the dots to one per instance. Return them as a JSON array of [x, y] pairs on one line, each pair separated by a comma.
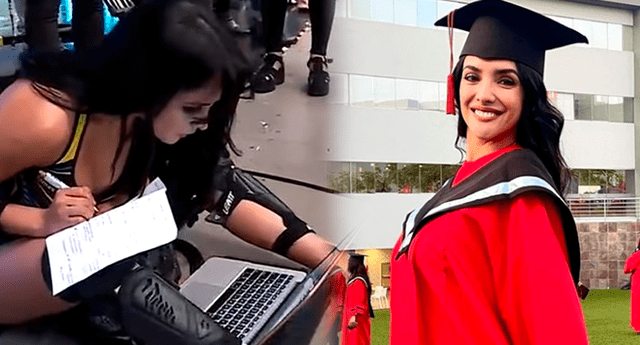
[[392, 144]]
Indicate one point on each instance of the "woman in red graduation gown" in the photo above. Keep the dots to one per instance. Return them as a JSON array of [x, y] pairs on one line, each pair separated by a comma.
[[493, 257], [356, 323], [632, 264]]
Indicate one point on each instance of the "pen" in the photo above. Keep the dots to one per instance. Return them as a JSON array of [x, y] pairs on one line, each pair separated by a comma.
[[56, 183]]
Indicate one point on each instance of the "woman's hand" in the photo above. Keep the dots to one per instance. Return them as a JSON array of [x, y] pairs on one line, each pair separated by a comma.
[[70, 206], [352, 323]]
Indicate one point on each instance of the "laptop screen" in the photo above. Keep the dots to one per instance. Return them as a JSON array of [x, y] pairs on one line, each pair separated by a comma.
[[307, 292]]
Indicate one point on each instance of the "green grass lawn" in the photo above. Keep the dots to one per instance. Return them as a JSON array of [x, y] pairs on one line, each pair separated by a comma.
[[606, 312], [380, 327]]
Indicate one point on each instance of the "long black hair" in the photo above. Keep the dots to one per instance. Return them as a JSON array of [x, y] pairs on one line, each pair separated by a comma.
[[159, 48], [356, 269], [539, 127]]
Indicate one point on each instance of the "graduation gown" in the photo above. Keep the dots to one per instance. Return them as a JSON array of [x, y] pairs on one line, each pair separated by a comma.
[[630, 266], [356, 303], [489, 271]]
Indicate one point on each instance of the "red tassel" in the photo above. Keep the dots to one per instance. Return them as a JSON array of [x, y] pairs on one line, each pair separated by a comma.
[[451, 109]]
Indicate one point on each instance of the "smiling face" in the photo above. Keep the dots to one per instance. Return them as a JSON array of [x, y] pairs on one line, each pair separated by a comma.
[[491, 99], [187, 112]]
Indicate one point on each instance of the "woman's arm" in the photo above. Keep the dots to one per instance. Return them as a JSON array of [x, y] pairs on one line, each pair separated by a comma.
[[69, 207], [537, 297], [632, 263], [258, 225], [34, 133]]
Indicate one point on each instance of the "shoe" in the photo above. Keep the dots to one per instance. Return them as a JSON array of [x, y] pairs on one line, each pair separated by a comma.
[[270, 74], [318, 81]]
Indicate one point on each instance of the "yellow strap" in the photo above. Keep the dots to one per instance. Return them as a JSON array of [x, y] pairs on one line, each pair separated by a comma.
[[71, 152], [1, 41]]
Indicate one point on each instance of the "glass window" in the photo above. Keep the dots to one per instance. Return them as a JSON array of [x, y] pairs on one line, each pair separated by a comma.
[[583, 107], [563, 20], [616, 109], [361, 91], [341, 8], [564, 103], [572, 187], [428, 95], [614, 36], [408, 178], [444, 7], [338, 176], [588, 180], [629, 181], [580, 177], [601, 108], [627, 109], [596, 32], [602, 181], [365, 178], [427, 13], [407, 94], [600, 35], [583, 27], [430, 177], [442, 96], [448, 171], [616, 181], [597, 179], [360, 9], [388, 177], [353, 175], [384, 92], [406, 12], [382, 10]]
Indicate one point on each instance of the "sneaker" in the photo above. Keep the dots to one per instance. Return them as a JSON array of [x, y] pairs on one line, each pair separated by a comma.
[[318, 81], [270, 74]]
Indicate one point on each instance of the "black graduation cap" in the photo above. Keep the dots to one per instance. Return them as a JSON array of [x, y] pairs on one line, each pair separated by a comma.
[[357, 256], [498, 29]]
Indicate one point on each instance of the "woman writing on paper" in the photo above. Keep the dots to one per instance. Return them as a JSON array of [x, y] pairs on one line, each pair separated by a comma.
[[168, 72]]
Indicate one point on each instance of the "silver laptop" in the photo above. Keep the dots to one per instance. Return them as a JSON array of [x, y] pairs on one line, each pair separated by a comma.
[[242, 297]]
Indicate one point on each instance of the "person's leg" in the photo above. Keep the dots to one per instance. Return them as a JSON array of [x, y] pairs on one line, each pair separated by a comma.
[[222, 8], [41, 25], [87, 24], [321, 13], [271, 72], [273, 14]]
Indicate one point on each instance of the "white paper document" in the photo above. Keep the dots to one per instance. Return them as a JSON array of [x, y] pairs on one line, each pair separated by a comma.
[[145, 223]]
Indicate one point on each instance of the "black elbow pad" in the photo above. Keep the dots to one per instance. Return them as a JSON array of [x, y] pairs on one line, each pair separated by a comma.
[[232, 185]]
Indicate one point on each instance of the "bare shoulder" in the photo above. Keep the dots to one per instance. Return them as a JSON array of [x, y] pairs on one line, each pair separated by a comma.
[[35, 131]]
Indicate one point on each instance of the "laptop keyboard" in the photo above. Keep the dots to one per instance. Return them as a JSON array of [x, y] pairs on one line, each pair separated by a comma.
[[245, 302]]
